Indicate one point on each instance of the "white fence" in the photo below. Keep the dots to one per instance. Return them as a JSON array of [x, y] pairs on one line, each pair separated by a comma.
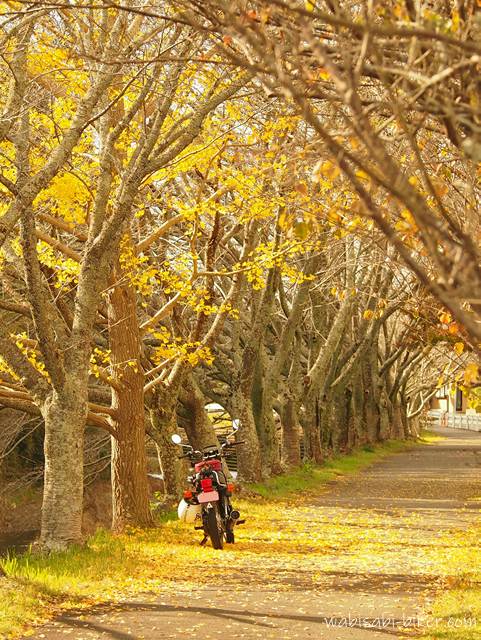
[[467, 421]]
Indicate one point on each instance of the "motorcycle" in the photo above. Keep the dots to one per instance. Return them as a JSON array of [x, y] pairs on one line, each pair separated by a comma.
[[208, 504]]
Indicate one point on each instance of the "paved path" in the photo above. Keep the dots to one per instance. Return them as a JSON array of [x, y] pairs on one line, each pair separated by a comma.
[[413, 502]]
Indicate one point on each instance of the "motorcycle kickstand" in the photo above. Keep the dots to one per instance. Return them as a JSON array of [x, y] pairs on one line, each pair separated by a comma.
[[203, 541]]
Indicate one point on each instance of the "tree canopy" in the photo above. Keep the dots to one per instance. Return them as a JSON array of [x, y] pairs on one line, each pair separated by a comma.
[[271, 206]]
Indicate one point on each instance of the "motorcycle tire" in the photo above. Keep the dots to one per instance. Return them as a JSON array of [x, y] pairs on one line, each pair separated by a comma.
[[213, 528]]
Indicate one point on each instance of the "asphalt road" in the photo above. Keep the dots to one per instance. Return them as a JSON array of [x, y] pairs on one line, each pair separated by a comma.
[[422, 496]]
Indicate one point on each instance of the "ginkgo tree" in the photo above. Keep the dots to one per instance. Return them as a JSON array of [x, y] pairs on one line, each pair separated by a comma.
[[176, 232], [110, 127], [390, 92]]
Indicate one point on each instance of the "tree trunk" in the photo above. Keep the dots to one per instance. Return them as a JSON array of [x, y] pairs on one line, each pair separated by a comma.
[[248, 454], [399, 421], [200, 430], [372, 406], [385, 415], [414, 426], [340, 415], [291, 451], [164, 424], [263, 394], [130, 490], [312, 433], [64, 414], [375, 411], [356, 425]]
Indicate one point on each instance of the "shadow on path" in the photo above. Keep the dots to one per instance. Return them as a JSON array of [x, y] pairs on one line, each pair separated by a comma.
[[244, 616]]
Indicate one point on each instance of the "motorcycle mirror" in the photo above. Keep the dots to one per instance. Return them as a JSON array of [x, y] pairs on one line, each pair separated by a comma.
[[176, 439], [235, 424]]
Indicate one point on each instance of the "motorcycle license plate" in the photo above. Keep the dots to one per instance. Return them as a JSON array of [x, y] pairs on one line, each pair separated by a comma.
[[208, 496]]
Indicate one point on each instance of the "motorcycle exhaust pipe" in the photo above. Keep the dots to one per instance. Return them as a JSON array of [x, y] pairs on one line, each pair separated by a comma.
[[234, 515]]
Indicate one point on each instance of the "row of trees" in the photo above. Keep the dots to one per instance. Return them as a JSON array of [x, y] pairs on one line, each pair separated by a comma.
[[393, 97], [175, 235]]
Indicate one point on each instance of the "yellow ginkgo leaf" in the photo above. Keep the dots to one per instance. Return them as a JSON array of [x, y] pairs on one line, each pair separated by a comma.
[[440, 382], [325, 169], [324, 74], [471, 373], [459, 348]]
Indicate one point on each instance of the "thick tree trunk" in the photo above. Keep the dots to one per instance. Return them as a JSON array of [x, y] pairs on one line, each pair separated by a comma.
[[312, 432], [371, 406], [64, 414], [263, 394], [287, 357], [200, 430], [290, 410], [372, 421], [414, 426], [162, 416], [356, 423], [248, 454], [195, 419], [291, 451], [339, 418], [66, 407], [404, 417], [385, 424], [270, 446], [399, 421], [374, 386], [130, 491]]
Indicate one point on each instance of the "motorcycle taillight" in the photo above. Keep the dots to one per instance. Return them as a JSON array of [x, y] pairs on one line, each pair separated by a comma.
[[206, 484]]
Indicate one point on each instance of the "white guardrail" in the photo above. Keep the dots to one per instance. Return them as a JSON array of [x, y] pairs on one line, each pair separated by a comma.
[[467, 421]]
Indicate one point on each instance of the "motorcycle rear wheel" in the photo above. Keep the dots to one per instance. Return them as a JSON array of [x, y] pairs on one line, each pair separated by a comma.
[[214, 528]]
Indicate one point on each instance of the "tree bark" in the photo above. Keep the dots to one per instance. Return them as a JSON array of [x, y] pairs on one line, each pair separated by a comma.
[[64, 413], [340, 400], [291, 451], [312, 432], [371, 382], [196, 422], [263, 394], [248, 454], [356, 426], [399, 425], [130, 491], [164, 425]]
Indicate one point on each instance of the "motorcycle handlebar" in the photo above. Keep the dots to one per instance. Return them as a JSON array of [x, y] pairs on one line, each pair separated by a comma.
[[190, 454]]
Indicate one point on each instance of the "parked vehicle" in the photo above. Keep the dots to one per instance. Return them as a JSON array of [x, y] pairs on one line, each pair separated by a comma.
[[207, 504]]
